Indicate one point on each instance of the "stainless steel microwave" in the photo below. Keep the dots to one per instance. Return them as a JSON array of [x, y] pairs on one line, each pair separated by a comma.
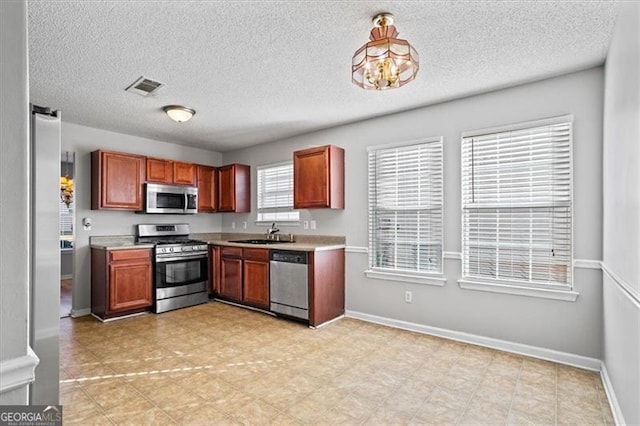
[[171, 199]]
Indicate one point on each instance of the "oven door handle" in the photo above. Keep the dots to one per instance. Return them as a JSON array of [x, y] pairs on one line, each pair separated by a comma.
[[173, 258]]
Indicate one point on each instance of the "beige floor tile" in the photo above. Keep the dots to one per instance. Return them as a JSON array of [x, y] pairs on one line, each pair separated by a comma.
[[483, 411], [153, 416], [216, 363]]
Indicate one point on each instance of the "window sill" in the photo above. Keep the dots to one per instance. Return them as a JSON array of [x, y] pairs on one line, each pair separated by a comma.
[[434, 280], [564, 295]]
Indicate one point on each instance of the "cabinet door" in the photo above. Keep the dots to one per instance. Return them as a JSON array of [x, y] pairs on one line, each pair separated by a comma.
[[207, 193], [231, 278], [184, 173], [256, 283], [226, 189], [160, 171], [214, 272], [318, 178], [117, 180], [129, 285], [311, 178]]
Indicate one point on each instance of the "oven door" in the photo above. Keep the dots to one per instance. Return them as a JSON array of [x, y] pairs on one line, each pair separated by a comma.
[[176, 275]]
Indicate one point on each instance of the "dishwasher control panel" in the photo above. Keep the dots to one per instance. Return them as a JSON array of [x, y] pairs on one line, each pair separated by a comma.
[[288, 256]]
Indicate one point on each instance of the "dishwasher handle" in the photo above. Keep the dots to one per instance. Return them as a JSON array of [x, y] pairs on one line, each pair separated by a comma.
[[289, 256]]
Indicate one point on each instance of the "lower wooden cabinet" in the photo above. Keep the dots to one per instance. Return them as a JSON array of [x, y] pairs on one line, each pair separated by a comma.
[[241, 275], [255, 283], [121, 282], [244, 276]]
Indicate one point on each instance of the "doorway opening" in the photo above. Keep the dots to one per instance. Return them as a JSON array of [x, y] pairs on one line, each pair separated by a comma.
[[67, 220]]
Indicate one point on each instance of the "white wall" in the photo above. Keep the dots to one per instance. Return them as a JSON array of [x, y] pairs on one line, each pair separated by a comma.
[[563, 326], [14, 172], [621, 233], [83, 140]]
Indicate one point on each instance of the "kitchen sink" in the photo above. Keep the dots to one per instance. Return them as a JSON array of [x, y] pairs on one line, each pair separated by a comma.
[[258, 241]]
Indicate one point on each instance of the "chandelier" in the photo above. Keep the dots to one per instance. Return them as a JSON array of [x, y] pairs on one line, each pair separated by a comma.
[[385, 62], [66, 184]]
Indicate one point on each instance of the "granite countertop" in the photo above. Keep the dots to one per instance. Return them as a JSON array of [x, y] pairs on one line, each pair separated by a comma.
[[117, 242], [301, 242]]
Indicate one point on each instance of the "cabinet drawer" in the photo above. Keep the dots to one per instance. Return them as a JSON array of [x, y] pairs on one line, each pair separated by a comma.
[[256, 254], [231, 252], [116, 255]]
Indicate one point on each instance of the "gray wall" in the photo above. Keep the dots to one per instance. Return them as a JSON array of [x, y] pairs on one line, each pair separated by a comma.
[[14, 167], [621, 234], [83, 140], [564, 326]]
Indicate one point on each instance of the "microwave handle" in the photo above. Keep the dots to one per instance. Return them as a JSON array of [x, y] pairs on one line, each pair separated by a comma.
[[186, 201]]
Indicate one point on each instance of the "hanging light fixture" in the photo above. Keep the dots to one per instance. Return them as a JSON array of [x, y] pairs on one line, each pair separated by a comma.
[[179, 113], [385, 62], [66, 183]]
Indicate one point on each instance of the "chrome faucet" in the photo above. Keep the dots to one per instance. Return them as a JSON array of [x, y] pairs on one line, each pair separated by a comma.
[[272, 230]]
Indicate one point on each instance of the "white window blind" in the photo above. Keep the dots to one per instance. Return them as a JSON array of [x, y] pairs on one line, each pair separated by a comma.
[[405, 207], [275, 194], [517, 205]]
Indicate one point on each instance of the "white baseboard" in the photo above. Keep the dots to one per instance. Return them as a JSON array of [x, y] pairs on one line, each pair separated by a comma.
[[18, 372], [75, 313], [611, 396], [503, 345]]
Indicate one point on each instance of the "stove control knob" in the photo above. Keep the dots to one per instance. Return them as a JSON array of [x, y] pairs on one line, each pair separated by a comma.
[[187, 248], [169, 249]]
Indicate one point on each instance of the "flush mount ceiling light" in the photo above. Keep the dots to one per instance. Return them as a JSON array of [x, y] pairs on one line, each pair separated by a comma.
[[179, 113], [385, 62]]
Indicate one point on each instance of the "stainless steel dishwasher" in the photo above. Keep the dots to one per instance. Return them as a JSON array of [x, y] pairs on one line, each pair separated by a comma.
[[289, 283]]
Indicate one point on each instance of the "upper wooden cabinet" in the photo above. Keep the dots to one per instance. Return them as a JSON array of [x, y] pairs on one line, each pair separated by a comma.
[[116, 180], [159, 171], [170, 172], [234, 188], [184, 173], [207, 189], [318, 178]]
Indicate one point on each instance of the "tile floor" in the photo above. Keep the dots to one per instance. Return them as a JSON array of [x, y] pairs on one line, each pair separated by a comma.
[[220, 364]]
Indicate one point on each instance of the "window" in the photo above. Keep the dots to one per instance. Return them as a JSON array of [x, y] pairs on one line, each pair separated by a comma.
[[275, 194], [405, 207], [517, 204]]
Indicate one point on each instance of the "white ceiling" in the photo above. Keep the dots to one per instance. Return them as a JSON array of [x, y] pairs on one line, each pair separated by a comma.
[[258, 71]]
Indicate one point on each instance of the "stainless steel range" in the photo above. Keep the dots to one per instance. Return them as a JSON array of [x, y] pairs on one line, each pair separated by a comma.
[[181, 266]]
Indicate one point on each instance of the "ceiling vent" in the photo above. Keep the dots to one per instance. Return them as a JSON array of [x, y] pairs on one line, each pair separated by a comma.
[[144, 86]]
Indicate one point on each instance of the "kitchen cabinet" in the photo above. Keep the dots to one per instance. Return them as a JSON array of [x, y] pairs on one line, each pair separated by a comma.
[[326, 285], [170, 172], [234, 188], [318, 178], [244, 276], [255, 282], [231, 273], [121, 282], [116, 181], [184, 173], [207, 189], [159, 170], [214, 269]]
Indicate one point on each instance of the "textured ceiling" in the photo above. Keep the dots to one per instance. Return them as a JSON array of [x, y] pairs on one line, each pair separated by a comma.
[[258, 71]]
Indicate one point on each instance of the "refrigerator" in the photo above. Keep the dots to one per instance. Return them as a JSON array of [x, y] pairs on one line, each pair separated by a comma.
[[44, 312]]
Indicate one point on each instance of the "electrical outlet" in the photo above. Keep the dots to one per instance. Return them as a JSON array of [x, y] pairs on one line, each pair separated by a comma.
[[305, 224], [233, 225], [244, 225], [87, 223], [408, 296], [313, 224]]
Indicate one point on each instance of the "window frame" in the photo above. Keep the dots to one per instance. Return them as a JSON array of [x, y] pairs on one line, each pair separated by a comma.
[[420, 277], [279, 209], [513, 286]]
